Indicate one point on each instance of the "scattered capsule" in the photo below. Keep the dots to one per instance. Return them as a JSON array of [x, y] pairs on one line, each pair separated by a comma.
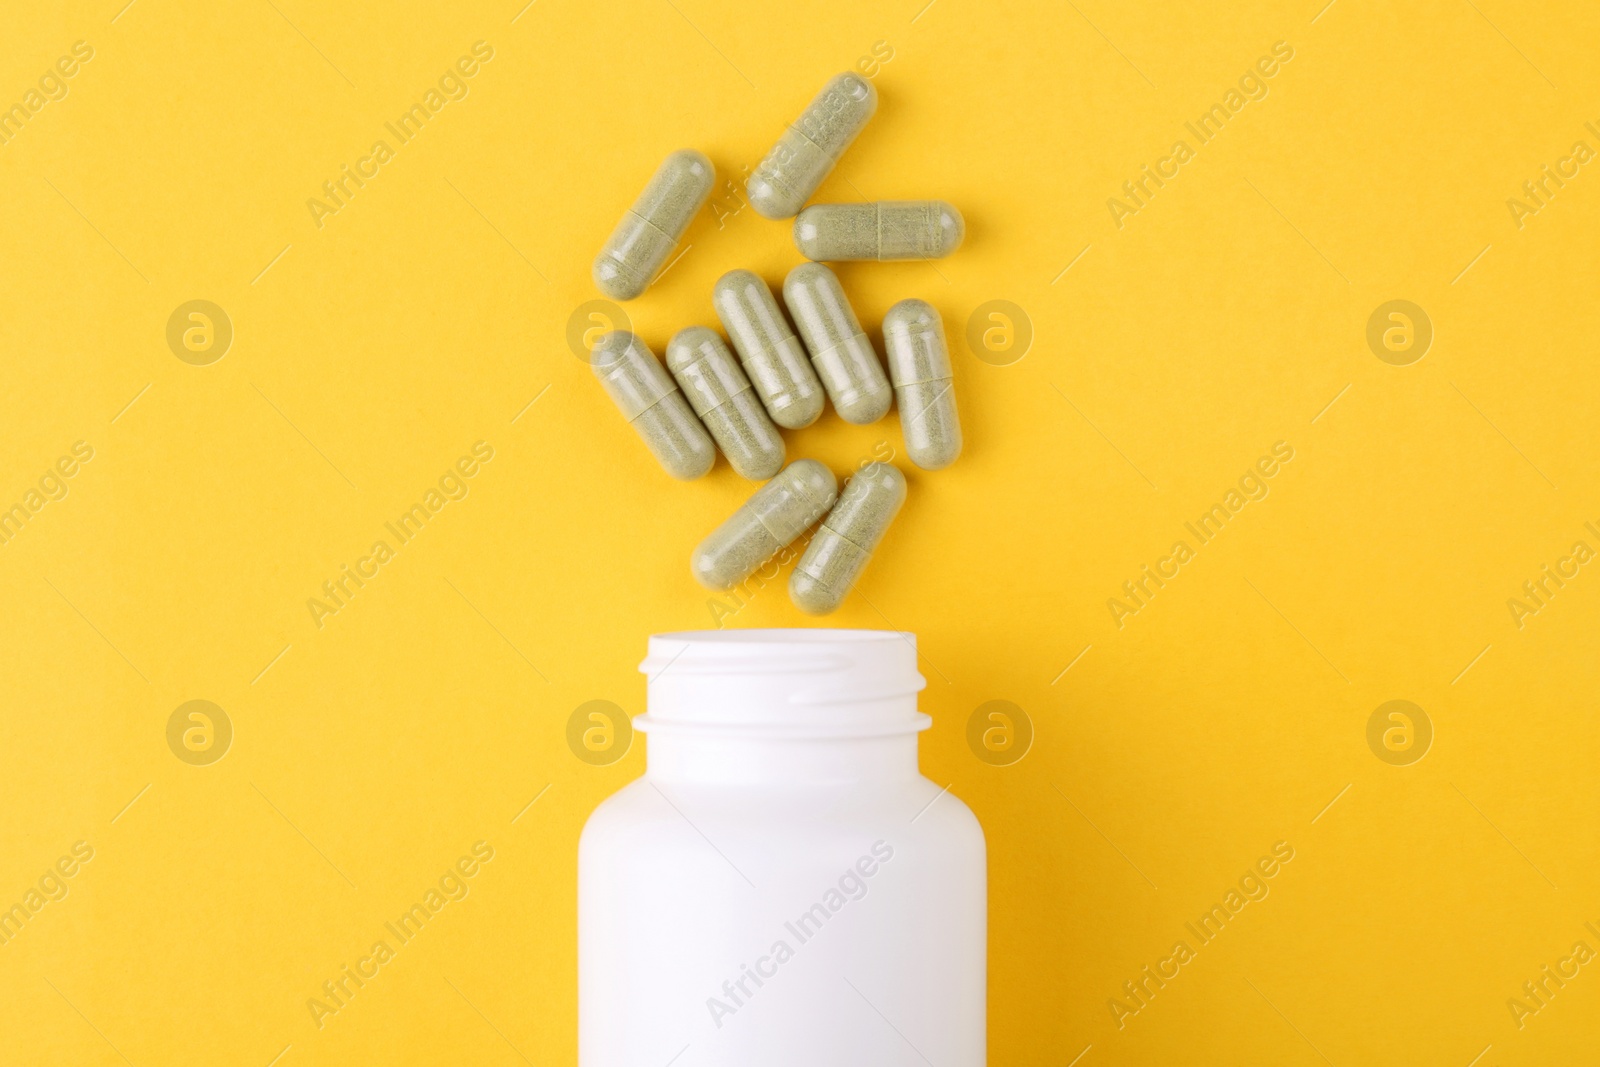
[[650, 230], [840, 351], [836, 555], [889, 229], [721, 396], [808, 149], [919, 367], [645, 395], [769, 522], [771, 353]]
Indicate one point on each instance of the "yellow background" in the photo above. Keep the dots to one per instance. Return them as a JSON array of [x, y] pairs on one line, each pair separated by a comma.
[[370, 353]]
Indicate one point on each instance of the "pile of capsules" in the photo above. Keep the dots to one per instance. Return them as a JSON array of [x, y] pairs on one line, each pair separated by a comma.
[[789, 380]]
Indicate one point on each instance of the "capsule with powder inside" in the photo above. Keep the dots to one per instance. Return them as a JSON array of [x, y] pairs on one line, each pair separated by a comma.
[[649, 231], [769, 522], [887, 230], [652, 404], [919, 367], [806, 153], [840, 352], [772, 355], [721, 396], [840, 550]]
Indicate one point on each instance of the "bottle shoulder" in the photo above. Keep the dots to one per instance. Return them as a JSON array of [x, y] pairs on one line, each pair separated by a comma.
[[914, 808], [951, 812], [626, 805]]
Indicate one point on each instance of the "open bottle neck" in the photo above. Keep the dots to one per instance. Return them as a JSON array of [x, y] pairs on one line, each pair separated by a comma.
[[709, 757], [782, 706]]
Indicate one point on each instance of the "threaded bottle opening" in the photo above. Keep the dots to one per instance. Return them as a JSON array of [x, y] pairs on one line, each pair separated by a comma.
[[784, 682]]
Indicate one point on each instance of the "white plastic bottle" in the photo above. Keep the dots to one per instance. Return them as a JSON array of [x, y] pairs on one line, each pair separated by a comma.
[[782, 887]]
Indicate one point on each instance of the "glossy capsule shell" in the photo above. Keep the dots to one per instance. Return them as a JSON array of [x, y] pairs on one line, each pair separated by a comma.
[[919, 367], [772, 355], [765, 525], [836, 555], [806, 153], [886, 230], [647, 398], [649, 231], [721, 396], [841, 353]]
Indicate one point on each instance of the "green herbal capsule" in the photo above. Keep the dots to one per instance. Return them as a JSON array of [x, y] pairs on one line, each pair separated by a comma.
[[645, 395], [650, 230], [890, 229], [919, 367], [807, 151], [721, 396], [840, 351], [772, 355], [769, 522], [836, 555]]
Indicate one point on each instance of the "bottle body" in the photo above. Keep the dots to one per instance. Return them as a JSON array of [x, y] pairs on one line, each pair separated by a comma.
[[761, 896]]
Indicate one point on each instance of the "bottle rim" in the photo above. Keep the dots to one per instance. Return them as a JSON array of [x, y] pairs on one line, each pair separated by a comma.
[[794, 682]]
